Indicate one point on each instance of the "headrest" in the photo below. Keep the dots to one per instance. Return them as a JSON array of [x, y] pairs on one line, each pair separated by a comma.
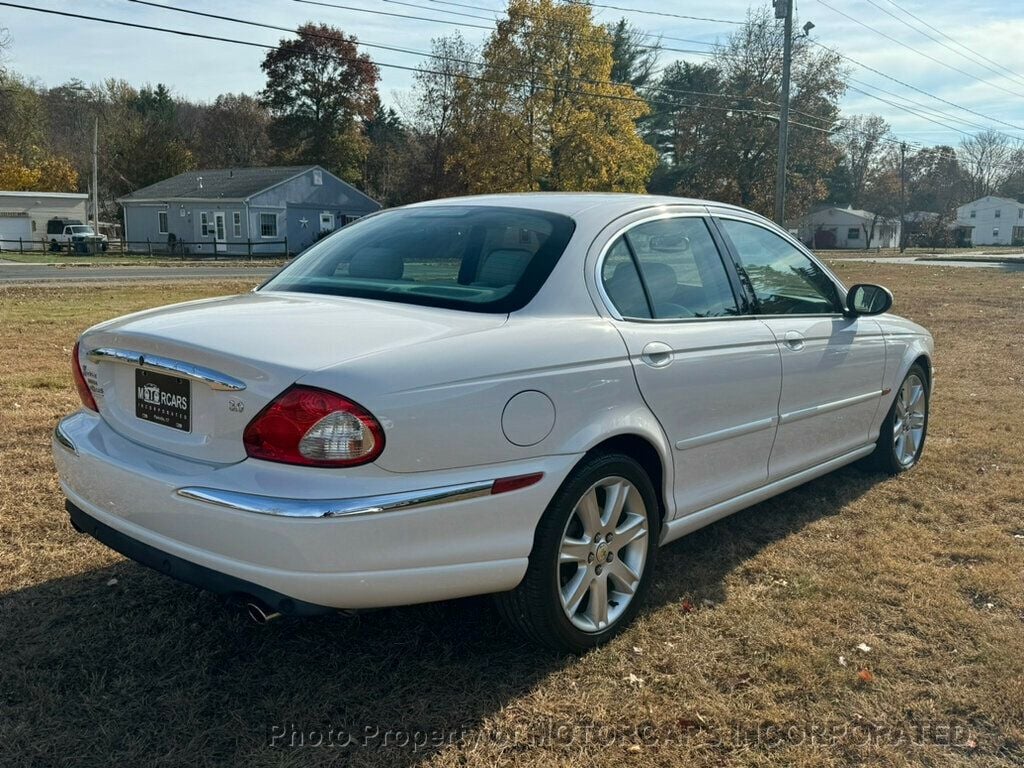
[[661, 281], [503, 266]]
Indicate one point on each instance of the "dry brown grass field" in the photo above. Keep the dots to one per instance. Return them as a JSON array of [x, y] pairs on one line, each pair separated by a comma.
[[746, 655]]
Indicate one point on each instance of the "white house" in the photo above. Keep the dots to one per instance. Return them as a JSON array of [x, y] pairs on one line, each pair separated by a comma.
[[835, 227], [24, 215], [992, 220]]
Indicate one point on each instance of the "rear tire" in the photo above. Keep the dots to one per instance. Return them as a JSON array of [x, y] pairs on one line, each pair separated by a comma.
[[593, 553], [902, 436]]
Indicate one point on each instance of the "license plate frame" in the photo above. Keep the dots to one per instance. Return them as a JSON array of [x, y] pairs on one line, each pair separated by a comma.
[[163, 399]]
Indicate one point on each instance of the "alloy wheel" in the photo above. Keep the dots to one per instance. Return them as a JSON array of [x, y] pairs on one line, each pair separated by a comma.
[[602, 554], [909, 420]]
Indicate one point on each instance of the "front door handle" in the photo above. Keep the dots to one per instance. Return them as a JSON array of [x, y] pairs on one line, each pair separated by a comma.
[[657, 354], [794, 340]]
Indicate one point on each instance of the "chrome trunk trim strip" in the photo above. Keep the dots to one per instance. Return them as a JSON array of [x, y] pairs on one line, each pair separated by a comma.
[[213, 379], [318, 508]]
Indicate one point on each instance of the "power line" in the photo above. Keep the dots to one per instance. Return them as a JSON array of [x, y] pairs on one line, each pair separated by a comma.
[[470, 62], [269, 47], [948, 47], [955, 42], [940, 62]]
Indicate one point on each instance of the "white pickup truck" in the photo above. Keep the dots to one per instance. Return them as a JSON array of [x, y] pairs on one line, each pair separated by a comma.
[[74, 236]]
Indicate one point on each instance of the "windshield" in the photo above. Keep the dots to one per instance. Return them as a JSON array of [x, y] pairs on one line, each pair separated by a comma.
[[81, 230], [477, 258]]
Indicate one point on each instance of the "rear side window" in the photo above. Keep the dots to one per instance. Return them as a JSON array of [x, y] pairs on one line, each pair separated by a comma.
[[477, 258], [681, 274], [784, 280]]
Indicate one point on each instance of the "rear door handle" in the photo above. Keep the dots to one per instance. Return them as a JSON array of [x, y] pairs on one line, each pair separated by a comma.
[[657, 354], [794, 340]]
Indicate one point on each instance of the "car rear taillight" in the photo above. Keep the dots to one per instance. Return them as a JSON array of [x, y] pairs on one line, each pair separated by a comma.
[[315, 428], [84, 393]]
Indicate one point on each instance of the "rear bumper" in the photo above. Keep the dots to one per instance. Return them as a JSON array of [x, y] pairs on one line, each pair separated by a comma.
[[470, 544], [189, 572]]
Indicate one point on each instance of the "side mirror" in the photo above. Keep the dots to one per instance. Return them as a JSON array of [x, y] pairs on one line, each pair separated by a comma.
[[867, 299]]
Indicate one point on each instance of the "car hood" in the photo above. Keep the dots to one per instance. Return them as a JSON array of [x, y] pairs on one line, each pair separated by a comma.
[[302, 332]]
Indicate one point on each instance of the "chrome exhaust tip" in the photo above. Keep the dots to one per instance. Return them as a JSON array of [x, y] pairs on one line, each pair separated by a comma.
[[260, 614]]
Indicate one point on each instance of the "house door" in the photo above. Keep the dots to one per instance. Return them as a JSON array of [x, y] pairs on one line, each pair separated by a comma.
[[326, 222], [220, 232]]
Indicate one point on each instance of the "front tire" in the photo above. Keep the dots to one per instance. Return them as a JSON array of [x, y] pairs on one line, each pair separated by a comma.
[[901, 438], [593, 554]]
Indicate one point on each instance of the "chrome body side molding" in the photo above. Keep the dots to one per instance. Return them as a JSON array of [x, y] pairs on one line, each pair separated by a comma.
[[317, 508]]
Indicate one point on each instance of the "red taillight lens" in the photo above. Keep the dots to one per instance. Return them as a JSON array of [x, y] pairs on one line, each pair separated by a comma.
[[315, 428], [84, 393]]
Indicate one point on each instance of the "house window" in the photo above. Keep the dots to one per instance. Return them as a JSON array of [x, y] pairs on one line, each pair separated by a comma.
[[853, 233], [268, 225], [236, 223], [33, 225], [318, 178], [204, 224], [161, 218], [999, 213], [995, 232], [974, 214], [1020, 213]]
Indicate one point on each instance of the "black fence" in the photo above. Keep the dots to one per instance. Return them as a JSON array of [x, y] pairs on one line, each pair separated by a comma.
[[178, 249]]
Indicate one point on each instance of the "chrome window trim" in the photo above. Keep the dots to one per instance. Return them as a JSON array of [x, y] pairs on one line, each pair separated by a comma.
[[213, 379], [599, 267], [333, 508]]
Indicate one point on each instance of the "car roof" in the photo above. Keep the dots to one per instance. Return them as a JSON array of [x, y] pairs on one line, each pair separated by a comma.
[[575, 203]]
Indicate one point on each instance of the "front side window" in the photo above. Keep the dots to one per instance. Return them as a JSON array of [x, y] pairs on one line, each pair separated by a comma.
[[268, 225], [161, 218], [853, 233], [783, 279], [476, 258]]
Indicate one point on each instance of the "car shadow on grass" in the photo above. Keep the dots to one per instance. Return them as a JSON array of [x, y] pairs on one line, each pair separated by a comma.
[[120, 665]]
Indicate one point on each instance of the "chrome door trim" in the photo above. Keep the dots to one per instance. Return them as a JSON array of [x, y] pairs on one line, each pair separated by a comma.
[[835, 405], [725, 434], [213, 379], [323, 508]]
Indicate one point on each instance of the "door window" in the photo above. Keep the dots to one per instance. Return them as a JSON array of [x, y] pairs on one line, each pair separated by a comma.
[[681, 273], [784, 280]]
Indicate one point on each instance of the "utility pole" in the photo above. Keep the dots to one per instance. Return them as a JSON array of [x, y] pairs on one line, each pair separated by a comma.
[[903, 194], [95, 176], [783, 10]]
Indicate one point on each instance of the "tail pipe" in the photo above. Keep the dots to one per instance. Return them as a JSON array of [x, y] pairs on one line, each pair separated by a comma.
[[260, 613]]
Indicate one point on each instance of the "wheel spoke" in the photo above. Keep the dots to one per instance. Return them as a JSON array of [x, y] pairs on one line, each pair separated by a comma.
[[574, 591], [916, 420], [597, 607], [589, 513], [632, 529], [614, 501], [574, 551], [916, 393], [625, 577]]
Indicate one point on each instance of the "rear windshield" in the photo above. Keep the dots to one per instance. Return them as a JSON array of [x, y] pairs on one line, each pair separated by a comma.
[[477, 258]]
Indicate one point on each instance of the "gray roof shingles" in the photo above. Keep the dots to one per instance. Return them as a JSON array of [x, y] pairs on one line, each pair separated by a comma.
[[228, 183]]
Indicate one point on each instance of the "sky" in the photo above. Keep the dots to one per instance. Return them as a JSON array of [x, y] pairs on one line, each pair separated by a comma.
[[51, 49]]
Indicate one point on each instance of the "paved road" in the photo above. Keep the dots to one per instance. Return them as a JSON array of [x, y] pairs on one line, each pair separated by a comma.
[[12, 273], [1007, 266]]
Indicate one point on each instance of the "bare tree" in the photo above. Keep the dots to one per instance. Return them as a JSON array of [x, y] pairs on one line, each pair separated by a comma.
[[862, 140], [986, 157]]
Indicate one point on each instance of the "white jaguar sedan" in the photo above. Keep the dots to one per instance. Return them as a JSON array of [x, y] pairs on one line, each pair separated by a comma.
[[516, 394]]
